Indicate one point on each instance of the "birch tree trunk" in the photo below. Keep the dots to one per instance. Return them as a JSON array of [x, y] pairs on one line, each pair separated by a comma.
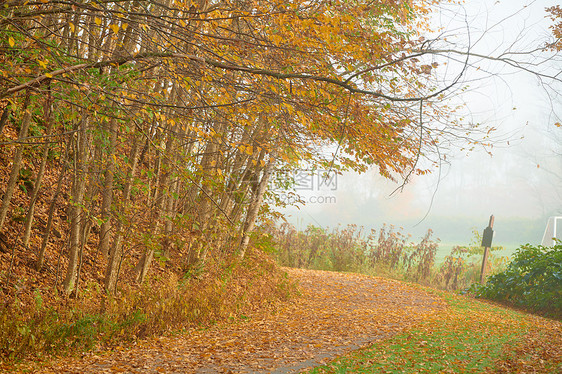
[[255, 205]]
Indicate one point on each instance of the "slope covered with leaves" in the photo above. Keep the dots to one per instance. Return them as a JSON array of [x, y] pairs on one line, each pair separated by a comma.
[[39, 323]]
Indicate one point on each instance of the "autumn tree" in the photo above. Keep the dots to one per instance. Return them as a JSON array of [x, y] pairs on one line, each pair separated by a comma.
[[556, 17], [169, 118]]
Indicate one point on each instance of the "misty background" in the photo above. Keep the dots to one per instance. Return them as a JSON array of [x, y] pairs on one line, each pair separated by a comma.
[[520, 183]]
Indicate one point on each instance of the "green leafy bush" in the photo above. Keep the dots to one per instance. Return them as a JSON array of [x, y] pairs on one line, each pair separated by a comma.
[[533, 279]]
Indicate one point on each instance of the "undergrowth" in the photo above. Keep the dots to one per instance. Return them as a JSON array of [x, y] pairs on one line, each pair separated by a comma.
[[388, 253], [166, 303]]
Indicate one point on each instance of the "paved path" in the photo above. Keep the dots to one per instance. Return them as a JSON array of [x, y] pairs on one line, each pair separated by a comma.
[[335, 314]]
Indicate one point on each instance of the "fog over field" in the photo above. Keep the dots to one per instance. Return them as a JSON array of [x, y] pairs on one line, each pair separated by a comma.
[[520, 182]]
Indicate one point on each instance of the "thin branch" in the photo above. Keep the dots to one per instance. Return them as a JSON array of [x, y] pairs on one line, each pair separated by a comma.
[[221, 65], [414, 166]]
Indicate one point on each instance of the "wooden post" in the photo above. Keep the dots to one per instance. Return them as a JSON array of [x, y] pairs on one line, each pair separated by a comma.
[[487, 244]]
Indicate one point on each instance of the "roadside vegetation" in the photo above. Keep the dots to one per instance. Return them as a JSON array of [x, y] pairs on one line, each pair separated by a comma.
[[532, 279], [388, 252]]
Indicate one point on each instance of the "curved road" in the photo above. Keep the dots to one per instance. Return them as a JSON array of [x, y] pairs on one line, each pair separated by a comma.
[[336, 313]]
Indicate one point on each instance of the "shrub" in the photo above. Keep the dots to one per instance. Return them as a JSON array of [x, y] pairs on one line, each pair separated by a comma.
[[533, 279], [386, 253]]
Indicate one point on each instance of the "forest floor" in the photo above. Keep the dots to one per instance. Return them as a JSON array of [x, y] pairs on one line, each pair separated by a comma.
[[336, 316]]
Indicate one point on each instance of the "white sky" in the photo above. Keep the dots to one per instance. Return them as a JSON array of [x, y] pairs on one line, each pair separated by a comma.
[[523, 178]]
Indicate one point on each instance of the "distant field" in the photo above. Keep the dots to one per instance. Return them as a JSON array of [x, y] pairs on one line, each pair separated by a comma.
[[445, 249]]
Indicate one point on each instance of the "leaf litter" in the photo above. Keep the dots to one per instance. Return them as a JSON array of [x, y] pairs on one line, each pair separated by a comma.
[[335, 313]]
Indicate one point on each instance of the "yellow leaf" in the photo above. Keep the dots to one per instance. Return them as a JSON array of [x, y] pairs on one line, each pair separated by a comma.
[[115, 28], [43, 64], [48, 75], [124, 26], [71, 25], [97, 20], [11, 41]]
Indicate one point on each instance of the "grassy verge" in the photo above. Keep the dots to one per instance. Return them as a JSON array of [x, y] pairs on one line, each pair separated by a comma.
[[470, 336]]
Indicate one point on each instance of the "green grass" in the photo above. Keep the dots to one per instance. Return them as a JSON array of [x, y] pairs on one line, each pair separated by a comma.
[[469, 336], [445, 248]]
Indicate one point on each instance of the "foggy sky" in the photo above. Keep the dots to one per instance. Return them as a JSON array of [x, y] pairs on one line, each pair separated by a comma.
[[521, 183]]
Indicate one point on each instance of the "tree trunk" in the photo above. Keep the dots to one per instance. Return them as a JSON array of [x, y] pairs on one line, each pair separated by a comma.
[[204, 209], [169, 213], [255, 205], [4, 118], [143, 265], [76, 212], [107, 192], [30, 210], [112, 268], [14, 174], [41, 255]]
